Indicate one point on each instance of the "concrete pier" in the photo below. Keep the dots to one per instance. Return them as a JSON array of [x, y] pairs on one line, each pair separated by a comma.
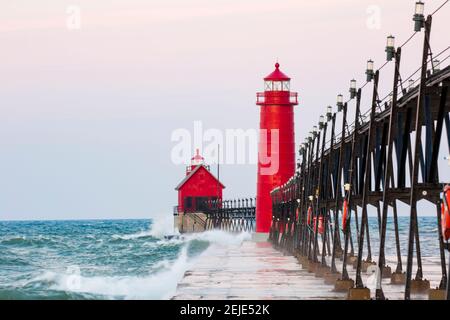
[[255, 270]]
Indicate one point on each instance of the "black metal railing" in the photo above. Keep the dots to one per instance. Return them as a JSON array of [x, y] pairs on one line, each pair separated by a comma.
[[231, 215]]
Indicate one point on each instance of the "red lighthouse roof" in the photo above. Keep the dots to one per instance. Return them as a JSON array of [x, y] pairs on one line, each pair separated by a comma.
[[194, 172], [277, 75]]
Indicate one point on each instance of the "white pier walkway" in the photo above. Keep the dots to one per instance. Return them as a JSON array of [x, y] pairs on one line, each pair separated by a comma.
[[257, 271], [251, 271]]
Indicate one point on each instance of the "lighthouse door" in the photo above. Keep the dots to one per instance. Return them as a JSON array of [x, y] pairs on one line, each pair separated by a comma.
[[188, 204]]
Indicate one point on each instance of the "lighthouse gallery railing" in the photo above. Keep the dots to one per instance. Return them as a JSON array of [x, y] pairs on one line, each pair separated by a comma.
[[261, 96]]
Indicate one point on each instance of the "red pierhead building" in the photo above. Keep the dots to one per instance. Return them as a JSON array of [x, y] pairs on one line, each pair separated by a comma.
[[276, 149], [198, 186]]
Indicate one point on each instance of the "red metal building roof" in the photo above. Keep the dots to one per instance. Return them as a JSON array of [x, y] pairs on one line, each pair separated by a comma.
[[277, 75], [193, 172]]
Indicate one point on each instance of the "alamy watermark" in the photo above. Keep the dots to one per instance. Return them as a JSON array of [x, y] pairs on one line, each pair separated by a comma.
[[374, 279], [73, 280], [73, 20], [373, 21], [237, 146]]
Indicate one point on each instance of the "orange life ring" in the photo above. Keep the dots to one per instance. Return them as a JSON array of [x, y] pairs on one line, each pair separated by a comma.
[[309, 215], [344, 214], [445, 213], [321, 226]]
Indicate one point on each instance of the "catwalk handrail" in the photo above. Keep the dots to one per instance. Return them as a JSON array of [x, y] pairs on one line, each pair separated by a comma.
[[231, 215]]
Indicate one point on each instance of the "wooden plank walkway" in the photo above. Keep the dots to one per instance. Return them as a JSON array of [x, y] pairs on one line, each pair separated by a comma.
[[255, 270]]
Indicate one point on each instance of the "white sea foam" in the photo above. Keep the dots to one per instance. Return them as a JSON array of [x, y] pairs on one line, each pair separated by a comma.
[[218, 237], [159, 285], [213, 237], [161, 226], [137, 235]]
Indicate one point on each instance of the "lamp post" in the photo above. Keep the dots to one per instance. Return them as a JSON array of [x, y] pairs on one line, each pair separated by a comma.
[[340, 102], [352, 88], [436, 66], [419, 18], [390, 47], [315, 131], [410, 84], [321, 122], [369, 70], [329, 113]]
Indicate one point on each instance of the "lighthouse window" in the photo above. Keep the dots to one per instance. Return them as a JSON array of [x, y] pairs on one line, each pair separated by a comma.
[[188, 202], [277, 86]]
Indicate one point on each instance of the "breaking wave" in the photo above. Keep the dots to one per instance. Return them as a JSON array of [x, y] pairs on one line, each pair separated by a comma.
[[160, 227], [103, 260], [160, 285]]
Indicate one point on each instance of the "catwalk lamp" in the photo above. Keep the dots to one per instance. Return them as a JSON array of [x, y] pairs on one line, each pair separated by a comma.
[[369, 70], [329, 113], [390, 47], [340, 102], [321, 122], [436, 65], [315, 131], [352, 88], [419, 18], [410, 84]]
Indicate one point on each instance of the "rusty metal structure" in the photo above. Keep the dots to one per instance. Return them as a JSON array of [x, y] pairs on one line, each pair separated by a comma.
[[380, 158]]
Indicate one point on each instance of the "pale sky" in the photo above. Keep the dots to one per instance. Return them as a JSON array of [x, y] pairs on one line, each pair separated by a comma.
[[86, 115]]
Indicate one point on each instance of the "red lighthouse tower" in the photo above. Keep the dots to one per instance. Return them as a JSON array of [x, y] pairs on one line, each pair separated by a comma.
[[276, 149]]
